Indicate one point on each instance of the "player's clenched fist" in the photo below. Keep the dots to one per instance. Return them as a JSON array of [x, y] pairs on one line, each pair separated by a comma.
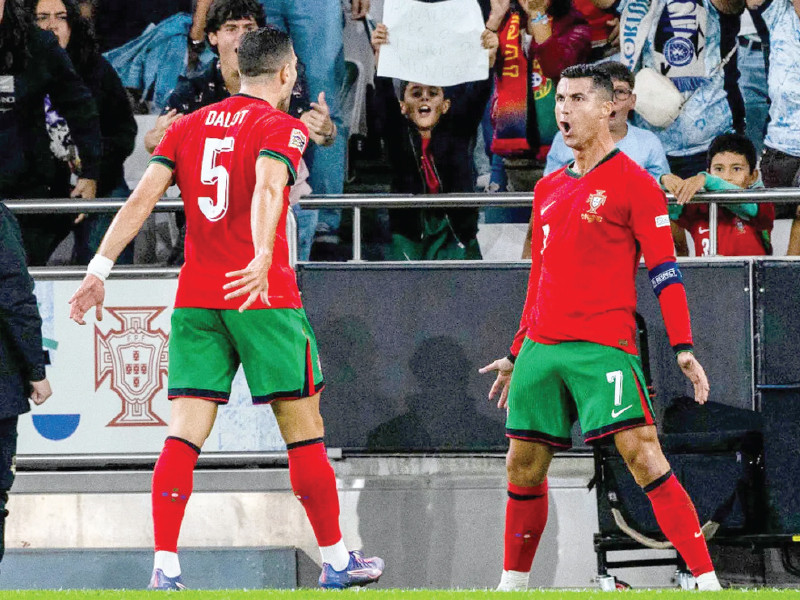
[[91, 293], [252, 280], [40, 391]]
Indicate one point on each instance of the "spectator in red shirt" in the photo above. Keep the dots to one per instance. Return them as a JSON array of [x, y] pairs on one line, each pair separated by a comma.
[[557, 37]]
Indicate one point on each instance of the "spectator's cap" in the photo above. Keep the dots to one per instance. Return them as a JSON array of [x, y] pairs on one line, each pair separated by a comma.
[[222, 11]]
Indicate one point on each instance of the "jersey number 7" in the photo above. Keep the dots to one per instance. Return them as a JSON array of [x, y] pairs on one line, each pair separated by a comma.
[[214, 174]]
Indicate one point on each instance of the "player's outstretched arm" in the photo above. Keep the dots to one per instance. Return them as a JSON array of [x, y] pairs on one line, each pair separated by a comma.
[[123, 229], [504, 367], [272, 176], [694, 371]]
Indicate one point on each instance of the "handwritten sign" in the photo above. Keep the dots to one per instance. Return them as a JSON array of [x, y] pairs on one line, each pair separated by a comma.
[[434, 43]]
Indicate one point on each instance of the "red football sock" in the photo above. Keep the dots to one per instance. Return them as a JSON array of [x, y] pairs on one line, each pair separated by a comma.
[[172, 486], [526, 516], [314, 484], [678, 520]]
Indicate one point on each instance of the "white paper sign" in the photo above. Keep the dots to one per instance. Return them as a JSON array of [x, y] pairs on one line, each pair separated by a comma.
[[434, 43]]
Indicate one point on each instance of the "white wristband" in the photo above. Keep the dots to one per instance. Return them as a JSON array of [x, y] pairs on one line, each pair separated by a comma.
[[100, 267]]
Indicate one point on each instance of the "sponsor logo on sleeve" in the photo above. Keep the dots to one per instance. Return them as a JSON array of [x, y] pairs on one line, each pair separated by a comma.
[[297, 140], [662, 221], [664, 276]]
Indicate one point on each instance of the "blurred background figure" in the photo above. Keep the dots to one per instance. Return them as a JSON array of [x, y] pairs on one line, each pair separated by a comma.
[[117, 125], [225, 22], [34, 73]]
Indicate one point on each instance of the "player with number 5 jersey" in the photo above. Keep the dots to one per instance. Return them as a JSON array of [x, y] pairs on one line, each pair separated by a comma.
[[237, 301], [212, 153], [575, 352]]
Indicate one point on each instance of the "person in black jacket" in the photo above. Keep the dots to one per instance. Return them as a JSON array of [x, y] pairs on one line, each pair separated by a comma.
[[117, 125], [430, 137], [33, 66], [22, 373]]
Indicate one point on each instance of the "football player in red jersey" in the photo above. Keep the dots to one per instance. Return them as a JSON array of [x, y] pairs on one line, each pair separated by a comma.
[[237, 300], [592, 221]]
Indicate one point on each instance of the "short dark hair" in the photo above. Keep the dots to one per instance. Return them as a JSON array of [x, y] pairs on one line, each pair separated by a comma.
[[265, 50], [616, 70], [735, 143], [222, 11], [600, 79]]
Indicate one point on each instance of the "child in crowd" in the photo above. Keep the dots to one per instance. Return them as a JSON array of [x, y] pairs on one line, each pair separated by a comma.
[[743, 229], [429, 133]]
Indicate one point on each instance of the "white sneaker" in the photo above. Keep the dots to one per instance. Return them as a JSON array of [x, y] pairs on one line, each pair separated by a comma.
[[708, 582], [513, 581]]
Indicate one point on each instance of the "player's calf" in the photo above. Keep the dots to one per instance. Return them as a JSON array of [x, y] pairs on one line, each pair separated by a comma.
[[677, 518], [314, 484]]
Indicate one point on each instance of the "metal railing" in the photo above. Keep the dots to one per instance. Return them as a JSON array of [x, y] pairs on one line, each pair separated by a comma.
[[359, 202]]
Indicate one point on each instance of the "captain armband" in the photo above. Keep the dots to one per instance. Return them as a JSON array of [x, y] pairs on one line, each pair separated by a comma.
[[665, 275]]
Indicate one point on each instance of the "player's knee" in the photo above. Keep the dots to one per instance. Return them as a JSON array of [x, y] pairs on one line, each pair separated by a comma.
[[646, 464], [191, 432], [525, 469], [300, 425]]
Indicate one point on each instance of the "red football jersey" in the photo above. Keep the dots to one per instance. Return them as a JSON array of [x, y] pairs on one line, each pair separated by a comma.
[[588, 235], [735, 236], [213, 153]]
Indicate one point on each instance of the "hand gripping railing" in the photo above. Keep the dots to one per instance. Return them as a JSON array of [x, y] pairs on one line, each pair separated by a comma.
[[357, 202]]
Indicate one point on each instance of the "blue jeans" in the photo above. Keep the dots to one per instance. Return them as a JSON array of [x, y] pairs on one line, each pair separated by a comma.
[[306, 226], [89, 232], [753, 84], [315, 27]]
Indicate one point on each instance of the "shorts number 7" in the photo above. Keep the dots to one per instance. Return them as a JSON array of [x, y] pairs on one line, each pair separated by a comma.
[[615, 377]]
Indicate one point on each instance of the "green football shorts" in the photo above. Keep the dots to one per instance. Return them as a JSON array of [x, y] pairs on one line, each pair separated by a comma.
[[275, 346], [551, 382]]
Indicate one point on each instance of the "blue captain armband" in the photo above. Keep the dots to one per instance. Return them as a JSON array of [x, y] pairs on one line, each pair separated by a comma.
[[665, 275]]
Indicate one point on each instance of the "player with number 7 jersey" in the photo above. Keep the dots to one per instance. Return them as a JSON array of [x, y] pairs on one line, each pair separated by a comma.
[[574, 355]]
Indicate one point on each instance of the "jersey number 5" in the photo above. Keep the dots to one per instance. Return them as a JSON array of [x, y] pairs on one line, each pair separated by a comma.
[[214, 174]]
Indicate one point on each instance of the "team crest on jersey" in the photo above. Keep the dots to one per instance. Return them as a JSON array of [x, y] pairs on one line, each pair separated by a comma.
[[595, 201], [297, 140]]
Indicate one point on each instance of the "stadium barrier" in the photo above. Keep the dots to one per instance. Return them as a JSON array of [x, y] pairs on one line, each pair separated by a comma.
[[127, 409], [359, 202]]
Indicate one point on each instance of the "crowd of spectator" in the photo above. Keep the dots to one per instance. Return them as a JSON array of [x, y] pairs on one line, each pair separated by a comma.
[[706, 97]]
